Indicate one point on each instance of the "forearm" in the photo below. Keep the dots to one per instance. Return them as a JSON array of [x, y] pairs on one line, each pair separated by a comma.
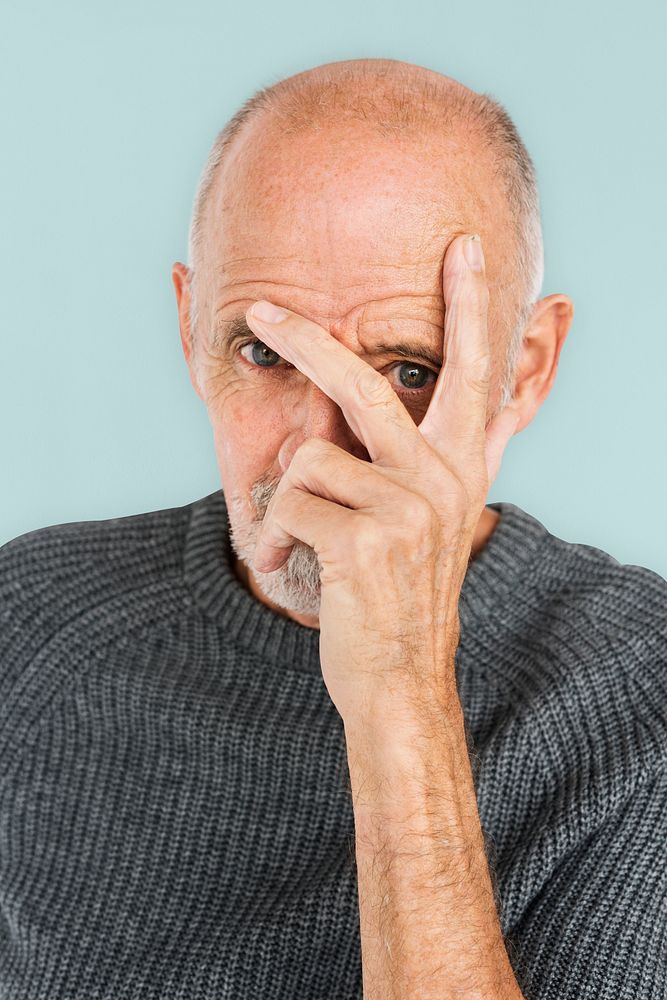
[[429, 924]]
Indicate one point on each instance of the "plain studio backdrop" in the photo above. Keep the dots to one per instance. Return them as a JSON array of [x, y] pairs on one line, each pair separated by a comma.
[[108, 112]]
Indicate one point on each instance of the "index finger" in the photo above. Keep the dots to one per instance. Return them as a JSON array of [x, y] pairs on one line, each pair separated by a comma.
[[457, 408], [370, 406]]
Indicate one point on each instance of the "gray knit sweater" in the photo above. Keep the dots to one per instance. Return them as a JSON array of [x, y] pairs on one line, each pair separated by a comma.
[[175, 815]]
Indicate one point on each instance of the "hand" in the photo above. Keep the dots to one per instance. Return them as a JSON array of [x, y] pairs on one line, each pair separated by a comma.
[[393, 536]]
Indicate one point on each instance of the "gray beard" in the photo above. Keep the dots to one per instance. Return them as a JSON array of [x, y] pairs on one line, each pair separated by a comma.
[[296, 585]]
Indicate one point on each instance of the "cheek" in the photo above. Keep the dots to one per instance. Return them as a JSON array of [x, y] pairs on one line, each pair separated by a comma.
[[248, 432]]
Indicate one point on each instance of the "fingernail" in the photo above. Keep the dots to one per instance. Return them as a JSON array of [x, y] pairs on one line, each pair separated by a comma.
[[267, 312], [472, 251]]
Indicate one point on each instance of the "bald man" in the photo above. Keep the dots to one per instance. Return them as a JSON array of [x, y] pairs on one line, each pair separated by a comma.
[[341, 728]]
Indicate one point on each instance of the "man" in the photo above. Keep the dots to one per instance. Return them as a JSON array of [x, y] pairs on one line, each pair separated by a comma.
[[341, 728]]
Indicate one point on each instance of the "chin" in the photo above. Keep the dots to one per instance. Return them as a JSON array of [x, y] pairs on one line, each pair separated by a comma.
[[296, 585]]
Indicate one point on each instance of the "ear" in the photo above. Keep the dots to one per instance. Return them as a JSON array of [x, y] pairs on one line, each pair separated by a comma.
[[182, 279], [543, 340]]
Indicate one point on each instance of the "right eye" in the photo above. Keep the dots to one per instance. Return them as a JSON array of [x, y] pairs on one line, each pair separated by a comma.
[[261, 355]]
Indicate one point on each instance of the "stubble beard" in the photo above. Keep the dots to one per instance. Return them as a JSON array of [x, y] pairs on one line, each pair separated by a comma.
[[296, 585]]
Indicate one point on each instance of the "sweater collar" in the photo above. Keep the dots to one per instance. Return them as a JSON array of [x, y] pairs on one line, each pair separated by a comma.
[[490, 581]]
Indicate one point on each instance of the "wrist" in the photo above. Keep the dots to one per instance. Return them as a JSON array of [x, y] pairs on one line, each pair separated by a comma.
[[397, 758]]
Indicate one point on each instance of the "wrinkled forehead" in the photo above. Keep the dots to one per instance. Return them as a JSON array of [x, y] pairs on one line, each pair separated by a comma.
[[345, 205]]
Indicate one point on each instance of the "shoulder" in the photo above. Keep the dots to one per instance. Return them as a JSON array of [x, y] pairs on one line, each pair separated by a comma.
[[601, 632], [69, 592], [599, 608], [594, 676], [110, 553], [67, 577], [570, 600], [551, 614], [576, 674], [573, 645], [58, 546]]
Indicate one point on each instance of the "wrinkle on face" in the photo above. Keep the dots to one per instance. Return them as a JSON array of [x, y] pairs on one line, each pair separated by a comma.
[[348, 229], [300, 224]]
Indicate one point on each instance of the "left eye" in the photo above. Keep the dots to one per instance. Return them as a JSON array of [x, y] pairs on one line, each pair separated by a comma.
[[414, 378], [415, 373]]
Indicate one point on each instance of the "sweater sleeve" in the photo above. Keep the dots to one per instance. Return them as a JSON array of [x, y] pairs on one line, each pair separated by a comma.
[[586, 838], [597, 930]]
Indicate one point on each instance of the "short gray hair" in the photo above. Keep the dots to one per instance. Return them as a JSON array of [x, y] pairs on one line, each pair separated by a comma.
[[415, 99]]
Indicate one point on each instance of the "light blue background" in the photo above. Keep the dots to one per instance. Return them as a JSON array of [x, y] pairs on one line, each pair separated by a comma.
[[108, 112]]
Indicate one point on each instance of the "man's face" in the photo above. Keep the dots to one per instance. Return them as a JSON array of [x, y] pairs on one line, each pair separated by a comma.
[[348, 229]]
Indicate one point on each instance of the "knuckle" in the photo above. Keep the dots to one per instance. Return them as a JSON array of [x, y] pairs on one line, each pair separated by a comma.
[[475, 375], [479, 381], [480, 361], [312, 450], [371, 388], [367, 534], [419, 513]]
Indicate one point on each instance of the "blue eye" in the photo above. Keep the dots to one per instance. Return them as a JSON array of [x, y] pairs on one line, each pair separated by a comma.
[[262, 355], [415, 381]]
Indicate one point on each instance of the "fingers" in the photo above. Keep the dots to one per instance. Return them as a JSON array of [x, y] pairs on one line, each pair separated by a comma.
[[297, 517], [370, 406], [456, 415], [323, 470]]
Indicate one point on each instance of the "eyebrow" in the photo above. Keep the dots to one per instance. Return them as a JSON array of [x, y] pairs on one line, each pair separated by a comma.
[[232, 330]]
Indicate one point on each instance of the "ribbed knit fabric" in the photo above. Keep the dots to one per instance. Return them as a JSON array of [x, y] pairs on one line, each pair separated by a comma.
[[175, 815]]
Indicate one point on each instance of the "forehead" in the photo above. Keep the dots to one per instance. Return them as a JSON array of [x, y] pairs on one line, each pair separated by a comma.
[[344, 207]]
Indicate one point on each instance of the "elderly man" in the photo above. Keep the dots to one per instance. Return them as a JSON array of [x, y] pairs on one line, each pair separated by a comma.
[[341, 729]]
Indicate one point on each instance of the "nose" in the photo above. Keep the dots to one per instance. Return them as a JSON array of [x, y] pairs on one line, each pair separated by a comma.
[[321, 417]]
